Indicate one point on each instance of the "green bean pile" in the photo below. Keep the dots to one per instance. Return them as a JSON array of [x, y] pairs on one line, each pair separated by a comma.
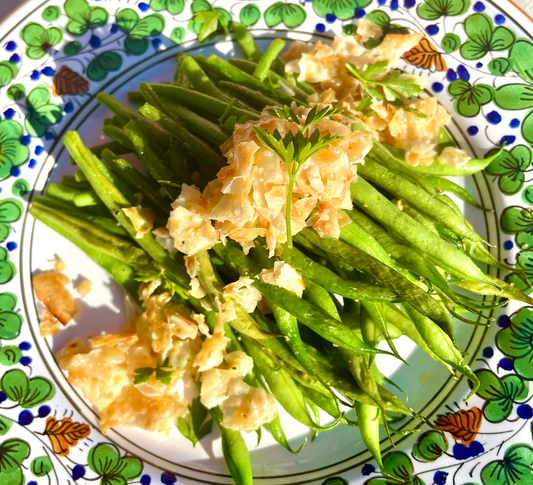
[[399, 272]]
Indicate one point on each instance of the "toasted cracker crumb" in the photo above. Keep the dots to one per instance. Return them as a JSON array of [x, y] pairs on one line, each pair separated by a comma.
[[84, 288], [48, 325], [58, 264]]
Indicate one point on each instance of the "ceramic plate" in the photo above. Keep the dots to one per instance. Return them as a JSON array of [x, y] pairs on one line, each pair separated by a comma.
[[55, 56]]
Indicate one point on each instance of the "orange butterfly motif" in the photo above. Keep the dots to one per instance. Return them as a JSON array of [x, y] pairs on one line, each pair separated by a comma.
[[65, 433], [425, 56], [463, 424]]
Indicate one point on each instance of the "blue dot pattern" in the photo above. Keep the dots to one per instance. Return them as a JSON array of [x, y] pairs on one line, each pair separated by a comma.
[[24, 346], [15, 172], [499, 19], [26, 360], [25, 139], [524, 411], [409, 3], [145, 480], [439, 478], [15, 59], [514, 123], [506, 364], [479, 65], [451, 75], [69, 107], [143, 7], [32, 163], [320, 28], [156, 43], [11, 246], [25, 418], [330, 18], [35, 75], [48, 71], [78, 472], [488, 352], [503, 321], [508, 140], [38, 150], [437, 87], [168, 478], [360, 13], [9, 113], [472, 130], [462, 72], [479, 7], [368, 469], [508, 245], [394, 5], [95, 41], [494, 117], [10, 46], [432, 29], [44, 411]]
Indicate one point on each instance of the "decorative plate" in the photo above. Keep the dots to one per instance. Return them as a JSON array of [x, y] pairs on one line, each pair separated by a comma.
[[55, 55]]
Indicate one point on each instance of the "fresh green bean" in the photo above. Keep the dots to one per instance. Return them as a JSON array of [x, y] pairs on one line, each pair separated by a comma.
[[115, 201], [383, 275], [504, 290], [276, 429], [150, 128], [120, 139], [235, 451], [253, 98], [197, 77], [447, 257], [448, 185], [212, 161], [195, 100], [286, 391], [368, 419], [246, 42], [441, 345], [80, 198], [270, 55], [121, 272], [214, 287], [417, 197], [236, 75], [135, 97], [313, 271], [150, 159], [180, 78], [274, 77]]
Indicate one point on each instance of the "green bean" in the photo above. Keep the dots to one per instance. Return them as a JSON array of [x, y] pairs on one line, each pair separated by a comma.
[[253, 98], [191, 144], [179, 76], [115, 201], [236, 75], [69, 194], [382, 274], [447, 185], [270, 55], [404, 323], [122, 273], [135, 97], [356, 236], [505, 290], [274, 77], [214, 287], [145, 185], [199, 126], [198, 78], [150, 128], [286, 391], [480, 253], [313, 271], [196, 100], [246, 42], [150, 159], [121, 141], [368, 419], [235, 451], [417, 197], [441, 345], [447, 257], [276, 429], [375, 312], [114, 145], [103, 221]]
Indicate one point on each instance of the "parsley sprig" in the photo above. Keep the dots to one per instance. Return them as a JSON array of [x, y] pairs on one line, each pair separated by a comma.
[[194, 427], [295, 149], [393, 88], [163, 375], [209, 20]]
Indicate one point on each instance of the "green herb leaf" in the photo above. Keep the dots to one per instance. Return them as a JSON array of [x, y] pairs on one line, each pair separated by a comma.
[[393, 86], [209, 20], [143, 374], [193, 427], [163, 375]]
